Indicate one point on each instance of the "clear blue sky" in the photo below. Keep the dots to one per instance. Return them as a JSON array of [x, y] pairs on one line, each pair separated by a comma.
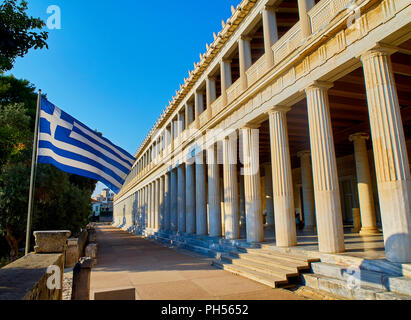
[[114, 65]]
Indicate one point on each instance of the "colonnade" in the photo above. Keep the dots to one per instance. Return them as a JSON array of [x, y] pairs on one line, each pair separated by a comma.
[[187, 198]]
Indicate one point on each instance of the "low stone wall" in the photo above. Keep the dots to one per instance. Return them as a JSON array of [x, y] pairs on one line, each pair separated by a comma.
[[26, 278], [75, 249]]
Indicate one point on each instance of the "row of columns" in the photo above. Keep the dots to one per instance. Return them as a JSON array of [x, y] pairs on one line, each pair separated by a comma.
[[178, 200]]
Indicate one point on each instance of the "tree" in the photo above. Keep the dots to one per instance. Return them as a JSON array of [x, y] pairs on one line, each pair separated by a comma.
[[18, 32]]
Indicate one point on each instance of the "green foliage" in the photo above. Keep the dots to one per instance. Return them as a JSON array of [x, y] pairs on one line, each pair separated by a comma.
[[18, 32]]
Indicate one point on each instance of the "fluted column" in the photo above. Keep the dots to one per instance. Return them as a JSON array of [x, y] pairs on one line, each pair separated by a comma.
[[149, 206], [365, 194], [214, 201], [198, 108], [325, 176], [303, 7], [162, 204], [154, 203], [245, 59], [283, 192], [390, 154], [226, 79], [308, 190], [270, 34], [269, 194], [156, 224], [252, 186], [231, 201], [201, 201], [190, 199], [242, 198], [181, 201], [173, 201], [167, 204]]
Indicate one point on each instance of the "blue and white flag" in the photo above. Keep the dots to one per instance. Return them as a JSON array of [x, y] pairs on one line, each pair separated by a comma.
[[74, 148]]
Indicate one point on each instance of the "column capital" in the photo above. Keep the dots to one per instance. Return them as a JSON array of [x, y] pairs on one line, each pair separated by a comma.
[[212, 78], [359, 136], [304, 154], [277, 109], [251, 126], [379, 49], [226, 60], [319, 84]]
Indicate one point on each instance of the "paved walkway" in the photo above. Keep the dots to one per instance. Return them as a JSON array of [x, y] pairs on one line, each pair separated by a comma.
[[126, 261]]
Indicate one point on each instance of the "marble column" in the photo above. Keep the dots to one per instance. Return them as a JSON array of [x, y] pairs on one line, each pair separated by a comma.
[[190, 199], [270, 34], [181, 201], [252, 186], [364, 183], [173, 201], [242, 198], [303, 7], [325, 176], [269, 194], [231, 200], [167, 204], [308, 190], [283, 192], [390, 154], [244, 48], [226, 79], [201, 193], [156, 225], [149, 206], [162, 204], [198, 107], [214, 201], [211, 94], [153, 204]]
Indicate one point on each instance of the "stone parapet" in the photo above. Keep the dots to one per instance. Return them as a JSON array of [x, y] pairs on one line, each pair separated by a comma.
[[27, 278], [51, 241]]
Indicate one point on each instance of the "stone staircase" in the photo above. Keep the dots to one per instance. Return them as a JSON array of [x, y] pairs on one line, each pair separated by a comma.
[[360, 282], [265, 266], [239, 257]]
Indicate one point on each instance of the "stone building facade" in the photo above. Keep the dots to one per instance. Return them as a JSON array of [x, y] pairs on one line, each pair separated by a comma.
[[297, 107]]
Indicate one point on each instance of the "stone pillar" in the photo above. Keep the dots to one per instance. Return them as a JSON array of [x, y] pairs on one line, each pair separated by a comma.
[[162, 204], [303, 7], [226, 79], [285, 228], [167, 204], [308, 190], [157, 205], [270, 34], [201, 193], [153, 204], [198, 108], [190, 199], [252, 186], [269, 194], [211, 93], [390, 154], [214, 201], [231, 201], [245, 59], [181, 201], [325, 176], [365, 194], [173, 201], [242, 199], [81, 279], [149, 206]]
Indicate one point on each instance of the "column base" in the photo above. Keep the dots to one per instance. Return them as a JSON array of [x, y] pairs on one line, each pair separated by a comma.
[[367, 231]]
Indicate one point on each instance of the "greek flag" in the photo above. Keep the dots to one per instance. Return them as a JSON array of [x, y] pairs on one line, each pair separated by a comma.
[[74, 148]]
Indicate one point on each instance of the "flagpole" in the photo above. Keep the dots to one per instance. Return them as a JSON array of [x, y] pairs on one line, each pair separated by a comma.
[[33, 174]]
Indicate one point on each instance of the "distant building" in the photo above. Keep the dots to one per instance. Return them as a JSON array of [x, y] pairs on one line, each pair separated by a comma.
[[103, 206]]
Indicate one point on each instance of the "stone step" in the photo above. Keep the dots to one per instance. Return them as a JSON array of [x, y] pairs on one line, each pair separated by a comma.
[[398, 285], [287, 253], [285, 261], [271, 261], [275, 270], [272, 281], [339, 287], [368, 278]]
